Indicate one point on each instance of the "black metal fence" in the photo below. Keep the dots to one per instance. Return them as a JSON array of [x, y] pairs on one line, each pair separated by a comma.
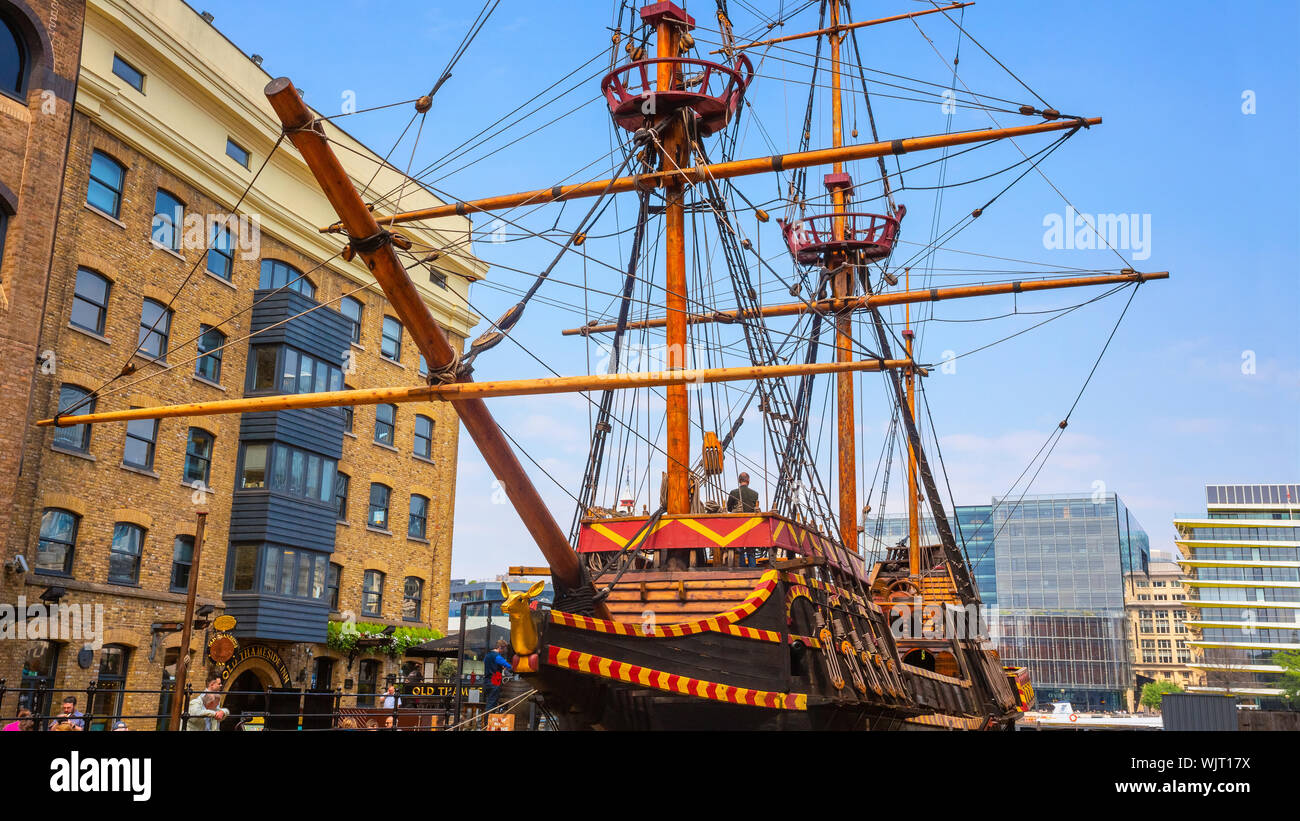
[[419, 706]]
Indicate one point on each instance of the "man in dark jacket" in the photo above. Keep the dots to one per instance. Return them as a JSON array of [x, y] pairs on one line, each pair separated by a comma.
[[743, 500]]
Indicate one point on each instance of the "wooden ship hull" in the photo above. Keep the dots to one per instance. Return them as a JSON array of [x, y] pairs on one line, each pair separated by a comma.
[[797, 643]]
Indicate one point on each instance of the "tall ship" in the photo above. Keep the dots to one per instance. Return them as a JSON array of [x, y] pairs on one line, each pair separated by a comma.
[[705, 606]]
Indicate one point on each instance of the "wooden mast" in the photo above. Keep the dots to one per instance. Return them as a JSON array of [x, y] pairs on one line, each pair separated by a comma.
[[846, 27], [459, 392], [878, 300], [731, 169], [913, 519], [669, 21], [842, 278], [372, 245]]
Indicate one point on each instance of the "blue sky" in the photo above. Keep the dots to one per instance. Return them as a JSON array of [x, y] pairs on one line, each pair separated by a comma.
[[1168, 410]]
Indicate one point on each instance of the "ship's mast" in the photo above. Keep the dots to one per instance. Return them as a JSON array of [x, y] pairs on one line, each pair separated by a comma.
[[669, 22], [842, 279], [913, 518]]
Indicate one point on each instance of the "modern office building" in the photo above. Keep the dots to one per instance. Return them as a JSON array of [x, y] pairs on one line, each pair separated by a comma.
[[1243, 565], [315, 516], [1156, 604], [1061, 562], [463, 591]]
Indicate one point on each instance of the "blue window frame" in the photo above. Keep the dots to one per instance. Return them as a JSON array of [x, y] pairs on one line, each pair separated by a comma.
[[76, 437], [418, 520], [168, 220], [198, 456], [285, 469], [280, 369], [372, 593], [353, 309], [90, 301], [58, 541], [423, 436], [390, 347], [385, 424], [133, 76], [237, 152], [221, 253], [210, 346], [377, 513], [124, 556], [104, 190], [280, 274], [141, 434], [155, 325]]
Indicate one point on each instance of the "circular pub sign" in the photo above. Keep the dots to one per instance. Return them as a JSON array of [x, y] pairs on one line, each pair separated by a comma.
[[221, 648]]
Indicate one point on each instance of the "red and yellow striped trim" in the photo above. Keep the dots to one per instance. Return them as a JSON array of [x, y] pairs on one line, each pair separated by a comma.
[[670, 683], [951, 722], [722, 623]]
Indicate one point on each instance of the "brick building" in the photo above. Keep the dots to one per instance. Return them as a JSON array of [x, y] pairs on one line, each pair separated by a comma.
[[1156, 605], [313, 515]]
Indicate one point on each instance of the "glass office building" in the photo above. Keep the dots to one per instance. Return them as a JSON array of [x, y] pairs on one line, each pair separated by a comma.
[[1243, 563], [1061, 561]]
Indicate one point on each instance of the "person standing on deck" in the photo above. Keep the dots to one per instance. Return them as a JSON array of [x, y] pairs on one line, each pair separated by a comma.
[[743, 500]]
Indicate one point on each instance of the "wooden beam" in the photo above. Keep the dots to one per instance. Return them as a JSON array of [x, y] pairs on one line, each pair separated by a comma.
[[847, 27], [831, 306], [529, 571], [308, 135], [735, 168], [473, 392]]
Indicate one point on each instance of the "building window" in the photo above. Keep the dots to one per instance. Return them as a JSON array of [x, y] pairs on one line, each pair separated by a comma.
[[211, 344], [90, 301], [168, 220], [424, 366], [133, 76], [237, 152], [58, 541], [140, 437], [124, 557], [221, 253], [390, 347], [13, 61], [104, 192], [243, 568], [287, 469], [332, 584], [377, 516], [75, 437], [372, 593], [385, 423], [155, 325], [105, 705], [279, 274], [286, 370], [341, 497], [182, 560], [367, 683], [438, 278], [412, 598], [424, 437], [297, 573], [252, 475], [417, 523], [198, 457], [352, 309]]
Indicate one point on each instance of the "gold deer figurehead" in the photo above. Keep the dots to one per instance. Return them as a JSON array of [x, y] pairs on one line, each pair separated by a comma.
[[523, 633]]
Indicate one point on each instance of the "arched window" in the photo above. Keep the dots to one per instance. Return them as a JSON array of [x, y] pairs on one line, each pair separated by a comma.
[[106, 703], [198, 457], [124, 557], [211, 343], [279, 274], [13, 60], [385, 422], [182, 561], [418, 520], [412, 598], [76, 437], [104, 191], [155, 326], [58, 541], [90, 301], [377, 515], [390, 344], [423, 436], [168, 220], [372, 593]]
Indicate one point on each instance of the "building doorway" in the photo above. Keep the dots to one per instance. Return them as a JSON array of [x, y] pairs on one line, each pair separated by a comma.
[[247, 695]]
